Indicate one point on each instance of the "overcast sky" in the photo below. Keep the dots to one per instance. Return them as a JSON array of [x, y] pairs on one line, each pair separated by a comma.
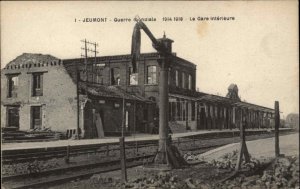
[[258, 50]]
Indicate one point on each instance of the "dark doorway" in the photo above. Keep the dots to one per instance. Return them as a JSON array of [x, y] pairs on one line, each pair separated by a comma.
[[202, 119], [36, 117], [13, 116]]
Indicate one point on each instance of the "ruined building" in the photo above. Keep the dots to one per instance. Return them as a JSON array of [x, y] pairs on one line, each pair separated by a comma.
[[100, 97]]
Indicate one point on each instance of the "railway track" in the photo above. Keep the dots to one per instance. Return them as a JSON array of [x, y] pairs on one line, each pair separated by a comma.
[[61, 175], [84, 170]]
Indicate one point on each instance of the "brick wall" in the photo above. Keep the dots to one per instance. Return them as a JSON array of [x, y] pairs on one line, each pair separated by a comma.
[[58, 101]]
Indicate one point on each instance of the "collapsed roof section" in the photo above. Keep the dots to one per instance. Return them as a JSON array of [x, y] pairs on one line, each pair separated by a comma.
[[98, 90]]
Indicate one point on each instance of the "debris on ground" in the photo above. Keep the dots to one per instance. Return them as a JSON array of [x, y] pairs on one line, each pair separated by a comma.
[[161, 180], [190, 157], [282, 173], [229, 160], [13, 134]]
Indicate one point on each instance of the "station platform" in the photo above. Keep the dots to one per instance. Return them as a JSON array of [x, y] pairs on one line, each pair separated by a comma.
[[262, 148], [112, 140]]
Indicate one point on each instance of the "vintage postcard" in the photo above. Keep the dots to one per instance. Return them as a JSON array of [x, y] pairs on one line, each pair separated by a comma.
[[150, 94]]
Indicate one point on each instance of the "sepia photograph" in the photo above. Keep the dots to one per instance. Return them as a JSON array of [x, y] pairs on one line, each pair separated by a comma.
[[149, 94]]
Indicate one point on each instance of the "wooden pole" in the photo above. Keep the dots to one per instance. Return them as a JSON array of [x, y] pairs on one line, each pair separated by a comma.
[[93, 74], [85, 61], [243, 147], [77, 101], [277, 122], [67, 160], [240, 156], [123, 115], [107, 149], [245, 125], [123, 159], [134, 126]]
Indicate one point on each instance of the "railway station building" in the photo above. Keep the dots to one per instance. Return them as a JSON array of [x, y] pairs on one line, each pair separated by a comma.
[[102, 95]]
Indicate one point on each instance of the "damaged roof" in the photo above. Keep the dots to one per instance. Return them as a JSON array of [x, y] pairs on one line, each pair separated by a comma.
[[32, 58], [110, 92]]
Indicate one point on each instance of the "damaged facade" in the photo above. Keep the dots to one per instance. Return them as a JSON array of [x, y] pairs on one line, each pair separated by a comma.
[[41, 91]]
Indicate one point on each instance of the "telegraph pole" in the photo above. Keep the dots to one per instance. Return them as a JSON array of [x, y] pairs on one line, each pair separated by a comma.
[[95, 51], [77, 95], [88, 48], [122, 144], [277, 123], [85, 56]]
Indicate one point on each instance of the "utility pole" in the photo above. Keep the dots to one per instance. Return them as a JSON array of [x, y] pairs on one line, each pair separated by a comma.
[[277, 123], [85, 56], [243, 147], [95, 51], [88, 49], [123, 114], [78, 103], [122, 145]]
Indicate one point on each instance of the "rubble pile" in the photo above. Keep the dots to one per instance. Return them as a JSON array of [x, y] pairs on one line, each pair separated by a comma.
[[14, 134], [229, 160], [163, 180], [282, 173], [190, 157], [45, 133]]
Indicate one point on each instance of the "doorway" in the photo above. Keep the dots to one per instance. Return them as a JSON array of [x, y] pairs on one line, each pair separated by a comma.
[[13, 116], [36, 117]]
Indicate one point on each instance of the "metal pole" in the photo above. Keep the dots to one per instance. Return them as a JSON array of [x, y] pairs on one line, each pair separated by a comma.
[[277, 122]]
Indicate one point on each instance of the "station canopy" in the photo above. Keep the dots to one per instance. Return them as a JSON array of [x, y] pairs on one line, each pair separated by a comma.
[[214, 99]]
